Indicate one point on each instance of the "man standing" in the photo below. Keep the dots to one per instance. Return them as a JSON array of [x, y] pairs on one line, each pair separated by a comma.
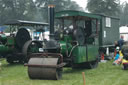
[[121, 42]]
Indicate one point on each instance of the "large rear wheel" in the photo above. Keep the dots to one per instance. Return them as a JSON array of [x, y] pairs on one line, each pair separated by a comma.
[[30, 47]]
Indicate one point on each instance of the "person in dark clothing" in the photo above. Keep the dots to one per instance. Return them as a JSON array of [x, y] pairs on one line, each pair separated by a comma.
[[121, 42]]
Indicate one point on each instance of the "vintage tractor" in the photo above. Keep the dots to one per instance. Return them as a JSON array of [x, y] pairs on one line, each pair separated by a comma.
[[75, 44], [15, 47]]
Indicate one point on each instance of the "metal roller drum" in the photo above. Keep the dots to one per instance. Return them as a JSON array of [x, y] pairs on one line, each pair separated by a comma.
[[44, 68]]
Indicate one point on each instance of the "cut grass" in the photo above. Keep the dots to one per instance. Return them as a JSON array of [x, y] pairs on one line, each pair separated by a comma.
[[105, 74]]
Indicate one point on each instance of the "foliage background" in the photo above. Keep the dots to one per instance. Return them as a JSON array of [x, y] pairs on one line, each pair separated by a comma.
[[37, 10]]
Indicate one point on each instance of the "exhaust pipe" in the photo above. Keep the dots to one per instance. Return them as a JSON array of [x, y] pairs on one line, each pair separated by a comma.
[[51, 19]]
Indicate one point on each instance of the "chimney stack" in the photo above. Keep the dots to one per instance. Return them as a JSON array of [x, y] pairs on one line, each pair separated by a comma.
[[51, 19]]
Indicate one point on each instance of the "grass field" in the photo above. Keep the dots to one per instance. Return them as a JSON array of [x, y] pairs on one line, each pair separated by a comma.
[[105, 74]]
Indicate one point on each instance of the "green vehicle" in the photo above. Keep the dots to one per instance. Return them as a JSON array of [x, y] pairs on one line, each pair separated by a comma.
[[81, 29], [17, 45], [74, 43]]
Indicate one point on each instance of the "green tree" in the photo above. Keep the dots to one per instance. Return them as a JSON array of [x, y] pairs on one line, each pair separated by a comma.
[[16, 9], [107, 7], [42, 6], [32, 10], [124, 14]]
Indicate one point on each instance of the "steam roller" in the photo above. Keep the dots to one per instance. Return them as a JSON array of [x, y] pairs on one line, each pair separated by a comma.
[[11, 46], [15, 48], [47, 65], [25, 45], [66, 47]]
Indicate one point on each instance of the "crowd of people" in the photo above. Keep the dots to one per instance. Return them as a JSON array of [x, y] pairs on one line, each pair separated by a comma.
[[118, 51]]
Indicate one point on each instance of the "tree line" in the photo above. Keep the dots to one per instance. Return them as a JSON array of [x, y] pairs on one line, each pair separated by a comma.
[[37, 10], [111, 8], [33, 10]]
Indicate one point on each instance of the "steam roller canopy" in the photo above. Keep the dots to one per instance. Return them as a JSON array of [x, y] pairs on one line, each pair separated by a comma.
[[22, 36], [44, 68]]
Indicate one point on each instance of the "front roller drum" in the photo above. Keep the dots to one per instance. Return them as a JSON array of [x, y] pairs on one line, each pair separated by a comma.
[[44, 68]]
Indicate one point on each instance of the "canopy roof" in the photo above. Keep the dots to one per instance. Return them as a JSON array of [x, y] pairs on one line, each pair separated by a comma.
[[25, 23], [69, 14]]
